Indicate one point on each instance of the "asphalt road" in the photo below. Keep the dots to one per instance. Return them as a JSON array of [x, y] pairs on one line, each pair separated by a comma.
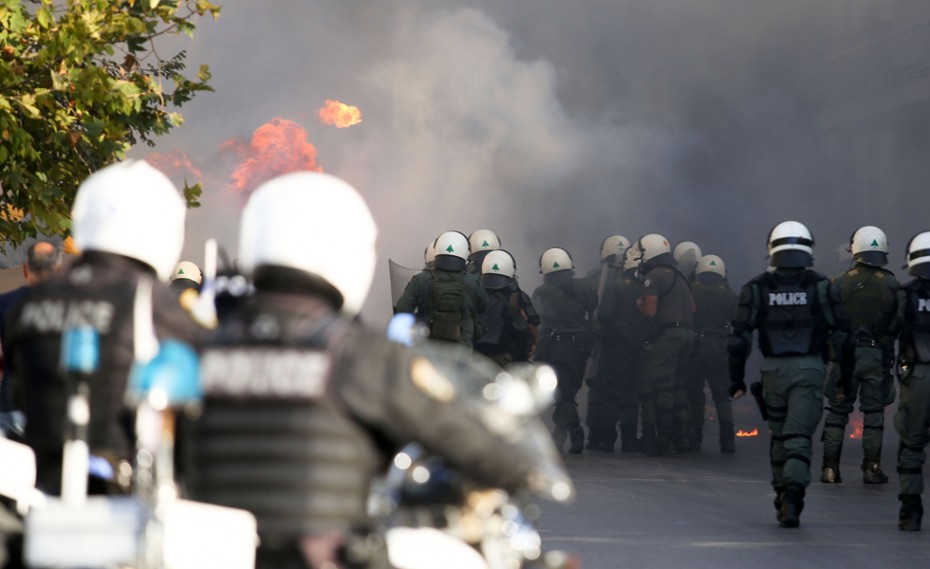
[[704, 509]]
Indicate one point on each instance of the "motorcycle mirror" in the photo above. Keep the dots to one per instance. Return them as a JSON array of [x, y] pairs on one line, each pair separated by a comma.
[[170, 379]]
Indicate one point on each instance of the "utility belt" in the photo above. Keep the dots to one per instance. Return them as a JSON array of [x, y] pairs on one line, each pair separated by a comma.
[[677, 324], [713, 334], [562, 336]]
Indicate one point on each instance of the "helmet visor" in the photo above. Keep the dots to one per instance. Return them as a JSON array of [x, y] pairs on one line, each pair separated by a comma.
[[874, 258], [558, 278], [495, 281], [791, 259], [449, 263]]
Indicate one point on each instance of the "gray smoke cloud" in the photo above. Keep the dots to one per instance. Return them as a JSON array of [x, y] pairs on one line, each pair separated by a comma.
[[559, 123]]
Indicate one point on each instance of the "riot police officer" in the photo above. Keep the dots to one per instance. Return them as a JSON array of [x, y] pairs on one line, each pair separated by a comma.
[[511, 322], [564, 304], [446, 298], [302, 406], [625, 334], [796, 311], [912, 421], [128, 221], [869, 293], [715, 303], [604, 367], [667, 301]]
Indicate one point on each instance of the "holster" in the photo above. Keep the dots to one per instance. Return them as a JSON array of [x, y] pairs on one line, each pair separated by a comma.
[[889, 393]]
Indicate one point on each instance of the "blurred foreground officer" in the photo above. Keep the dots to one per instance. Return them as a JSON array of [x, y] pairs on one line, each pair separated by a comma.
[[797, 312], [511, 322], [564, 303], [715, 303], [43, 260], [912, 420], [128, 221], [302, 406], [869, 294], [667, 302]]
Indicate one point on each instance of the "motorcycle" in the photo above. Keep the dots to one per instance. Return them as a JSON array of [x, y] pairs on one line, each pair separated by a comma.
[[433, 516], [151, 527]]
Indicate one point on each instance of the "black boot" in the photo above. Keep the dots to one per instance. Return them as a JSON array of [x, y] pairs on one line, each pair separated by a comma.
[[576, 437], [911, 512], [656, 447], [872, 473], [831, 471], [727, 438], [779, 499], [628, 440], [791, 507]]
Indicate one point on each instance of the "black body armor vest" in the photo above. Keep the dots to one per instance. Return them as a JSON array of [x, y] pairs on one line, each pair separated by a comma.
[[273, 438], [789, 317], [915, 341]]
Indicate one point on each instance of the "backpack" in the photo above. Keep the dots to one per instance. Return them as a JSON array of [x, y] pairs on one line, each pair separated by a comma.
[[447, 306], [869, 298]]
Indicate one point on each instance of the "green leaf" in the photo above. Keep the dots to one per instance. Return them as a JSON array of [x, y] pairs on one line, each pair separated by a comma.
[[43, 17]]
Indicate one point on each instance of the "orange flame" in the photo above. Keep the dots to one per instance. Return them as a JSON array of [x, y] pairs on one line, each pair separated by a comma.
[[339, 114], [175, 163], [277, 147], [752, 433], [857, 429]]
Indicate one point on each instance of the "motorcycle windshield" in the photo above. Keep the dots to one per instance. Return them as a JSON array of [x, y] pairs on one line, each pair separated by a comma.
[[508, 403]]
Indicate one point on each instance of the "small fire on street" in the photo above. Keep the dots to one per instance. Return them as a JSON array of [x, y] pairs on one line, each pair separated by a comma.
[[752, 433]]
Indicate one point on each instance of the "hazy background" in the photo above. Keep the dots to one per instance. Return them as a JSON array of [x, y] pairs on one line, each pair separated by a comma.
[[559, 123]]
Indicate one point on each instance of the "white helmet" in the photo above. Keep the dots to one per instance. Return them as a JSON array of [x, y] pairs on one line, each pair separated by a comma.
[[711, 264], [483, 240], [556, 266], [498, 269], [687, 255], [297, 220], [869, 245], [918, 255], [131, 209], [452, 251], [555, 259], [614, 245], [791, 245], [653, 245], [187, 271], [632, 257]]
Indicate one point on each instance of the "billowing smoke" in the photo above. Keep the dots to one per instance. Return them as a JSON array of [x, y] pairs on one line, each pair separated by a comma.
[[561, 123]]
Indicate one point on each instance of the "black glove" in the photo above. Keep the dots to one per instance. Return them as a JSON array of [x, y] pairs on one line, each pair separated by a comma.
[[737, 375]]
